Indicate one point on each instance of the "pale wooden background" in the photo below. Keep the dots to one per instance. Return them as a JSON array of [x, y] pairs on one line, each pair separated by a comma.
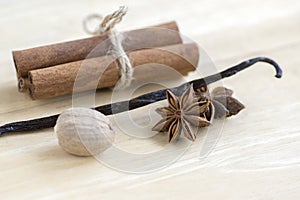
[[258, 154]]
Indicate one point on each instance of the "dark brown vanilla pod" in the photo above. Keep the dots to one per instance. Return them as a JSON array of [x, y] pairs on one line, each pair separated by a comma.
[[60, 53], [140, 101]]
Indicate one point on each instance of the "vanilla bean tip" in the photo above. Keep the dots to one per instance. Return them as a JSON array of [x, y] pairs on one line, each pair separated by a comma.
[[271, 62]]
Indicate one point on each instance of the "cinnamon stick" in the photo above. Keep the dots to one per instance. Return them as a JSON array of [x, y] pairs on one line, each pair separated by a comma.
[[59, 80], [60, 53]]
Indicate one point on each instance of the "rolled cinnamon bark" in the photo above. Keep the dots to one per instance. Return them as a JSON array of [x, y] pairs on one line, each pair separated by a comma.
[[59, 80], [60, 53], [23, 84]]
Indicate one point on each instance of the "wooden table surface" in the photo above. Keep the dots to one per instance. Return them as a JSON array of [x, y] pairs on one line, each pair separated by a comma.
[[257, 155]]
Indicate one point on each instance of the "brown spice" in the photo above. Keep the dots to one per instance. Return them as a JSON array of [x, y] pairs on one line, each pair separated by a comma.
[[183, 114], [224, 104], [60, 53], [59, 80]]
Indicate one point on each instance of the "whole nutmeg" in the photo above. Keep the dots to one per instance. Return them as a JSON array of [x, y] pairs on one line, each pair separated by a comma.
[[84, 132]]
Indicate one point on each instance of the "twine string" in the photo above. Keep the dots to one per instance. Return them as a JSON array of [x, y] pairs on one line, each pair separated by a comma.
[[116, 50]]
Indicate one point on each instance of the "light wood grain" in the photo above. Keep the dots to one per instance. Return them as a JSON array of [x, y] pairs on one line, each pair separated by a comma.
[[258, 153]]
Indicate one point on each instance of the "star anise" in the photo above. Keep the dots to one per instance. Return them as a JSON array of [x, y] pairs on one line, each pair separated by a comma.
[[183, 114], [225, 105]]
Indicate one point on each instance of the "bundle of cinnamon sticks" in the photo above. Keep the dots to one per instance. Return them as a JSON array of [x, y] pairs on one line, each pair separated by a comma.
[[50, 71]]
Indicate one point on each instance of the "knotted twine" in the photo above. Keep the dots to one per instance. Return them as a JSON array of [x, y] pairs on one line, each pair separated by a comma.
[[116, 38]]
